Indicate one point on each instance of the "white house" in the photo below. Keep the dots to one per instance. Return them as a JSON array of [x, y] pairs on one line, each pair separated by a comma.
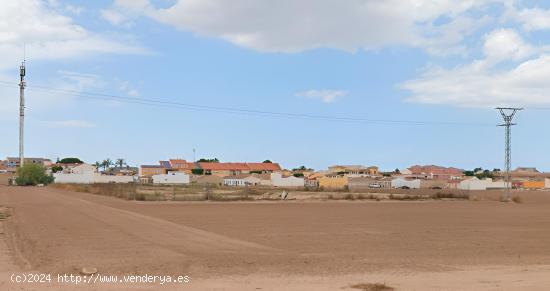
[[242, 180], [278, 180], [477, 184], [83, 169], [405, 172], [172, 178], [79, 174], [87, 174], [472, 184], [402, 182]]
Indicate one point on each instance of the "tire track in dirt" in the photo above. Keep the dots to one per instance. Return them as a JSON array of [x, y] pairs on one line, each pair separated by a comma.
[[62, 233]]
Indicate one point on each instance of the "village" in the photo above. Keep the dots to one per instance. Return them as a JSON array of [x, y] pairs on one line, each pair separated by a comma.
[[271, 174]]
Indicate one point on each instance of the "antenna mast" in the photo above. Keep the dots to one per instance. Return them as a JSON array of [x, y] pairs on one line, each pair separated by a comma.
[[508, 116], [22, 84]]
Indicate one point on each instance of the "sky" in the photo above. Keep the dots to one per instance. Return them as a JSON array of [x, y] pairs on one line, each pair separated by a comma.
[[404, 82]]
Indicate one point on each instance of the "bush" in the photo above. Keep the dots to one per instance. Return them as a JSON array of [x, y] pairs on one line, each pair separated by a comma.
[[197, 171], [56, 169], [71, 161], [32, 175]]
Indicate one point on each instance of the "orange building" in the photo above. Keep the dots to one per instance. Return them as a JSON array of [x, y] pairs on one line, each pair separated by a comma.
[[149, 171], [534, 184]]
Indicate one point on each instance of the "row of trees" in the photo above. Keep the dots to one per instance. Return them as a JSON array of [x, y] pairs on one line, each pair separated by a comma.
[[108, 163], [480, 173]]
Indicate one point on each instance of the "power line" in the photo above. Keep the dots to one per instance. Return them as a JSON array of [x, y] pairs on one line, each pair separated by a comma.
[[238, 111]]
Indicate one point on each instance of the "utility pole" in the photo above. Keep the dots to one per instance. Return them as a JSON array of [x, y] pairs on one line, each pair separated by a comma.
[[194, 156], [508, 114], [22, 85]]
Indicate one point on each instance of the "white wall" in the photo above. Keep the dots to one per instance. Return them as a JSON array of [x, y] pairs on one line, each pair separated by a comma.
[[476, 184], [87, 178], [90, 178], [278, 181], [98, 178], [400, 182], [234, 182], [83, 169], [472, 184], [172, 178]]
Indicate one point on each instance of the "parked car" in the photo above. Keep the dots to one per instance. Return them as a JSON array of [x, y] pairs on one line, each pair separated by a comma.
[[375, 185], [405, 187]]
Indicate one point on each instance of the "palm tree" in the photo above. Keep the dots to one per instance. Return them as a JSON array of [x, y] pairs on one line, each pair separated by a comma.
[[97, 165], [120, 163], [107, 163]]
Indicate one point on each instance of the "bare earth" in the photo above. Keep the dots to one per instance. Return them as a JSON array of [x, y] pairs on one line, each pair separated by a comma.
[[437, 245]]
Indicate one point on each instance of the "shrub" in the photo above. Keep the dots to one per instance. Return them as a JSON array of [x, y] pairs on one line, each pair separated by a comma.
[[71, 161], [56, 169], [349, 197], [517, 199], [32, 175], [197, 171], [372, 287]]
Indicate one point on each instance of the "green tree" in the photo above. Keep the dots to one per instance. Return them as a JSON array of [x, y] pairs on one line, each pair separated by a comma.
[[56, 169], [106, 164], [71, 161], [267, 162], [197, 171], [301, 169], [469, 173], [98, 165], [203, 160], [120, 163], [32, 174]]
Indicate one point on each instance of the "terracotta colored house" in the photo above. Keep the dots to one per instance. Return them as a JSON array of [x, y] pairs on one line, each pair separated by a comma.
[[150, 170], [232, 169], [216, 169], [432, 172]]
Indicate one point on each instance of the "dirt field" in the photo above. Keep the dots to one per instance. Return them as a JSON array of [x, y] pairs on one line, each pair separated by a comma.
[[292, 245]]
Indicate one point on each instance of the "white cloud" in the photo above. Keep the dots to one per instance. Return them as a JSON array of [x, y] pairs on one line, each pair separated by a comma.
[[113, 16], [532, 18], [489, 81], [69, 124], [327, 96], [292, 26], [123, 12], [505, 44], [128, 90], [48, 34]]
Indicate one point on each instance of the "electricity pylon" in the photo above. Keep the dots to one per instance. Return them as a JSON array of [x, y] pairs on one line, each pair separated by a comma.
[[508, 114]]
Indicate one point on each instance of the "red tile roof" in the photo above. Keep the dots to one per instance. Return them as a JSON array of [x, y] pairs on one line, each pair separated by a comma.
[[264, 166], [436, 170], [182, 165], [240, 166], [224, 166], [151, 167]]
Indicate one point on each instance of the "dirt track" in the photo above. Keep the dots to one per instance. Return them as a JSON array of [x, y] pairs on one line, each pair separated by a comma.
[[302, 245]]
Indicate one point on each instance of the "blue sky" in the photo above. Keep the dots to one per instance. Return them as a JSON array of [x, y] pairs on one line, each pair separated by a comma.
[[448, 62]]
